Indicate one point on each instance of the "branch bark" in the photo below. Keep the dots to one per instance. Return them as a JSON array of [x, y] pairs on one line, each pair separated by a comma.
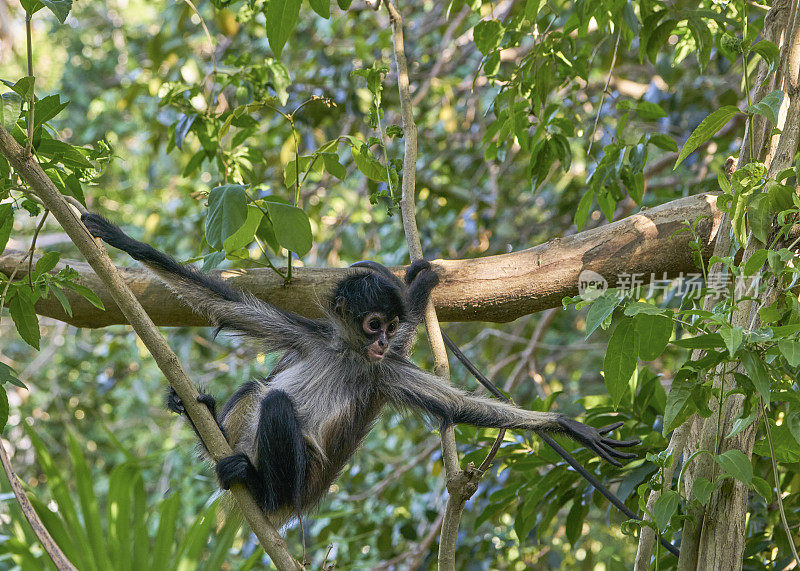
[[494, 288], [28, 168]]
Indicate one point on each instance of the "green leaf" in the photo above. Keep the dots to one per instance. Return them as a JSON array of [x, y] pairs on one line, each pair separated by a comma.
[[10, 110], [9, 375], [532, 9], [658, 38], [649, 111], [31, 6], [6, 224], [706, 129], [227, 212], [653, 332], [702, 489], [244, 235], [344, 4], [62, 299], [167, 531], [769, 106], [680, 404], [90, 296], [25, 318], [755, 262], [292, 227], [737, 464], [582, 212], [63, 152], [790, 351], [366, 162], [24, 87], [663, 141], [290, 171], [281, 19], [60, 8], [321, 7], [487, 35], [757, 372], [706, 341], [740, 424], [333, 166], [664, 508], [602, 307], [640, 307], [3, 408], [82, 477], [770, 53], [759, 217], [702, 38], [761, 486], [46, 263], [621, 358], [732, 336]]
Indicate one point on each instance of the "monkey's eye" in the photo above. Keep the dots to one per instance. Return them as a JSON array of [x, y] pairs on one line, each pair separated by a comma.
[[373, 323], [392, 327]]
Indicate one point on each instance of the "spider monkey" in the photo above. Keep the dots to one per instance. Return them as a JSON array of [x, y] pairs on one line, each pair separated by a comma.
[[293, 432]]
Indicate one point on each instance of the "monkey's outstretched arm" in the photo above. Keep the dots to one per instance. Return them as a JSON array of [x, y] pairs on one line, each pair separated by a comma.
[[227, 307], [411, 386]]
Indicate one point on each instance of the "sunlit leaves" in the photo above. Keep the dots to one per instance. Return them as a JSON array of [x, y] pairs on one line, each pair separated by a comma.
[[707, 128], [487, 35], [227, 212], [735, 463], [10, 110], [281, 19]]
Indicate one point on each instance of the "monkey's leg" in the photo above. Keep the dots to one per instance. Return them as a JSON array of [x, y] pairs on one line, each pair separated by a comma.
[[277, 479]]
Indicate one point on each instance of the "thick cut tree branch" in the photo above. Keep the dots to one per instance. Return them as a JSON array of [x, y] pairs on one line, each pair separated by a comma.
[[38, 181], [495, 288]]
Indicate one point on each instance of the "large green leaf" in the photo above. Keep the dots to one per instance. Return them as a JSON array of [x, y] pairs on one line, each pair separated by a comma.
[[707, 128], [737, 464], [281, 19], [10, 110], [6, 223], [291, 226], [60, 8], [24, 316], [227, 212], [653, 332], [3, 408], [664, 508], [244, 235], [621, 357], [757, 372]]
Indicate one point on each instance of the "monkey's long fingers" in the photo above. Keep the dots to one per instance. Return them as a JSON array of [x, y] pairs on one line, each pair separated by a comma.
[[610, 427], [620, 443], [604, 454], [615, 452]]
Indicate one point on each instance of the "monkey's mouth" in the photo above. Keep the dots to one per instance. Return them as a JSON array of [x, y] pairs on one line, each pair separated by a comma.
[[374, 354]]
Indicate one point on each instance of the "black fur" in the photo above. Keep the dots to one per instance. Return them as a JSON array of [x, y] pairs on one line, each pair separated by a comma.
[[363, 292], [278, 478], [323, 396], [281, 452], [101, 228]]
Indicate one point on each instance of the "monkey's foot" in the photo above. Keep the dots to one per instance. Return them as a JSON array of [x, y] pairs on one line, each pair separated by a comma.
[[596, 440], [234, 469]]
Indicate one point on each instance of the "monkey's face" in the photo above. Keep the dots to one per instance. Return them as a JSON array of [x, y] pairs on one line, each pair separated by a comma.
[[378, 329]]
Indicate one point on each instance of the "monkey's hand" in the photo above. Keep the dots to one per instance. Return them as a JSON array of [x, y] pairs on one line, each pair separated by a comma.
[[422, 272], [594, 439]]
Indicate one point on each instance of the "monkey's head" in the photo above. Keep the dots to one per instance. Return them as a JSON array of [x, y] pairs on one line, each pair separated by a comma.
[[372, 308]]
